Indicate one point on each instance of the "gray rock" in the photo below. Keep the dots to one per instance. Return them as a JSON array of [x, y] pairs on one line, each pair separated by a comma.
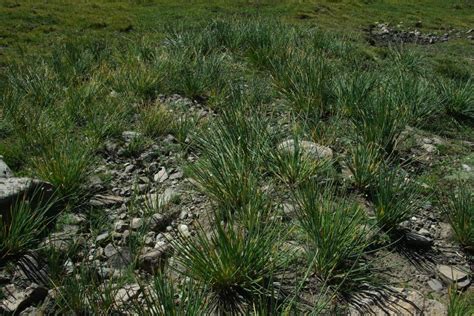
[[14, 189], [106, 200], [308, 148], [136, 223], [158, 222], [127, 293], [18, 299], [176, 175], [161, 176], [5, 171], [435, 285], [129, 168], [121, 259], [416, 240], [453, 275], [445, 231], [110, 250], [130, 135], [153, 259], [61, 241]]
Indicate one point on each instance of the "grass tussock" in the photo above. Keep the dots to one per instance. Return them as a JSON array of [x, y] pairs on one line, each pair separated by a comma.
[[66, 165], [233, 153], [24, 224], [458, 206], [336, 238], [237, 265], [395, 199]]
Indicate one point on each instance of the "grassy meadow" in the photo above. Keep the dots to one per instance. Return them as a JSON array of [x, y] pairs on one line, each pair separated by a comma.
[[392, 127]]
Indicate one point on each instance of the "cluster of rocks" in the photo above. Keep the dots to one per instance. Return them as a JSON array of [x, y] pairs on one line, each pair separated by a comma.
[[139, 196], [384, 34], [147, 195]]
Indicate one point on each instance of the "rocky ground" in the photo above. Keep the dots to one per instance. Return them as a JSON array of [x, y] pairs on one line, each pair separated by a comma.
[[386, 34], [146, 193]]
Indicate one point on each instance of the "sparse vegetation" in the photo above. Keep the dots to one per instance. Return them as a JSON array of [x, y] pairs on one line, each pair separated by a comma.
[[160, 127]]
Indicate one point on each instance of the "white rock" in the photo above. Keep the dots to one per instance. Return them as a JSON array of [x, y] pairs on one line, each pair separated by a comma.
[[136, 223], [184, 230], [5, 171], [466, 168], [308, 148], [102, 237], [120, 226], [130, 135], [127, 293], [451, 273], [161, 176]]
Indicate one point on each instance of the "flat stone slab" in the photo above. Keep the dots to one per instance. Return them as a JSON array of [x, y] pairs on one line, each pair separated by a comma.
[[451, 273]]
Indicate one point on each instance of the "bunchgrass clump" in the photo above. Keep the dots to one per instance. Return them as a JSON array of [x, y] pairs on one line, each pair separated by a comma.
[[85, 293], [380, 121], [335, 238], [138, 81], [67, 166], [185, 126], [196, 76], [365, 163], [460, 304], [22, 226], [237, 265], [294, 166], [161, 298], [458, 206], [135, 146], [395, 199], [303, 79], [457, 99], [156, 120], [233, 151]]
